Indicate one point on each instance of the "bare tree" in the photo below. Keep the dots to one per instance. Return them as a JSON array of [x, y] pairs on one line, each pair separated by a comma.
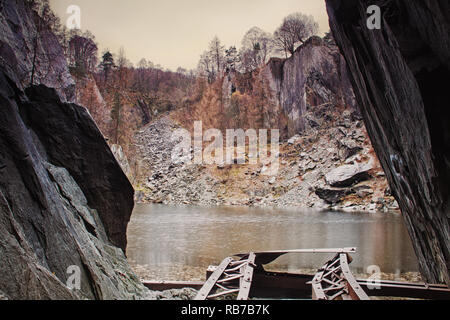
[[182, 71], [122, 65], [143, 64], [217, 55], [283, 42], [206, 66], [295, 29], [256, 48]]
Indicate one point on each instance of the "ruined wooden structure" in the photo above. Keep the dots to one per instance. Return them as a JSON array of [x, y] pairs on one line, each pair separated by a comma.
[[243, 277]]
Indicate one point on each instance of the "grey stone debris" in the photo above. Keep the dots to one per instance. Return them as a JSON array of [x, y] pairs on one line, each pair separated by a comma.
[[347, 175]]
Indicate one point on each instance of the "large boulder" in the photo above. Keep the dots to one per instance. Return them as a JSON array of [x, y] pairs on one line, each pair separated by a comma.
[[400, 75], [348, 175], [72, 140], [332, 196], [64, 202], [26, 49]]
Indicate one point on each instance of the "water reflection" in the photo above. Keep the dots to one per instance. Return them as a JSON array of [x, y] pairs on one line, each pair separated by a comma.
[[163, 237]]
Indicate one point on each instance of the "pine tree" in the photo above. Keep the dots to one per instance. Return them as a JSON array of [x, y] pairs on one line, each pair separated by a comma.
[[107, 64], [231, 59]]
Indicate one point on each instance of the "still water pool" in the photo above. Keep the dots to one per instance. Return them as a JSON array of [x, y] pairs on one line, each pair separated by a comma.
[[179, 243]]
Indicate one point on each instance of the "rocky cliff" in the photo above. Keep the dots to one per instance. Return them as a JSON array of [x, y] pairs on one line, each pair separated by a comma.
[[26, 49], [400, 75], [314, 75], [87, 94], [64, 202], [327, 160]]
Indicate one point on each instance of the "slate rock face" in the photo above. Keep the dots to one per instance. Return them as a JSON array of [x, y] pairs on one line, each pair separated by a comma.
[[400, 75], [64, 201], [314, 75], [71, 140], [18, 47]]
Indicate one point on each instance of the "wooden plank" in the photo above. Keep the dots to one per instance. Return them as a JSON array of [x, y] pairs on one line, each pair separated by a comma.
[[246, 282], [210, 283]]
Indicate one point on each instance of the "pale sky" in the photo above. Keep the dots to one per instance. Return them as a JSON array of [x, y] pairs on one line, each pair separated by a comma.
[[174, 33]]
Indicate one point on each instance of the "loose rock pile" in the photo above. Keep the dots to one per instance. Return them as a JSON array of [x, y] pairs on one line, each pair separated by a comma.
[[330, 166]]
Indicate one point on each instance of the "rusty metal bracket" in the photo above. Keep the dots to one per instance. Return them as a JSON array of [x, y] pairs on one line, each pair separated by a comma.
[[232, 276], [335, 281]]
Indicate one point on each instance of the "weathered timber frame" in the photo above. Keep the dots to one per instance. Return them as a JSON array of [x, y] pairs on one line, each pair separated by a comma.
[[245, 277]]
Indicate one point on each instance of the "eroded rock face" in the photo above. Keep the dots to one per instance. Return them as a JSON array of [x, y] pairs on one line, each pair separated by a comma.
[[121, 159], [19, 48], [88, 95], [314, 75], [71, 140], [400, 75], [64, 201]]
